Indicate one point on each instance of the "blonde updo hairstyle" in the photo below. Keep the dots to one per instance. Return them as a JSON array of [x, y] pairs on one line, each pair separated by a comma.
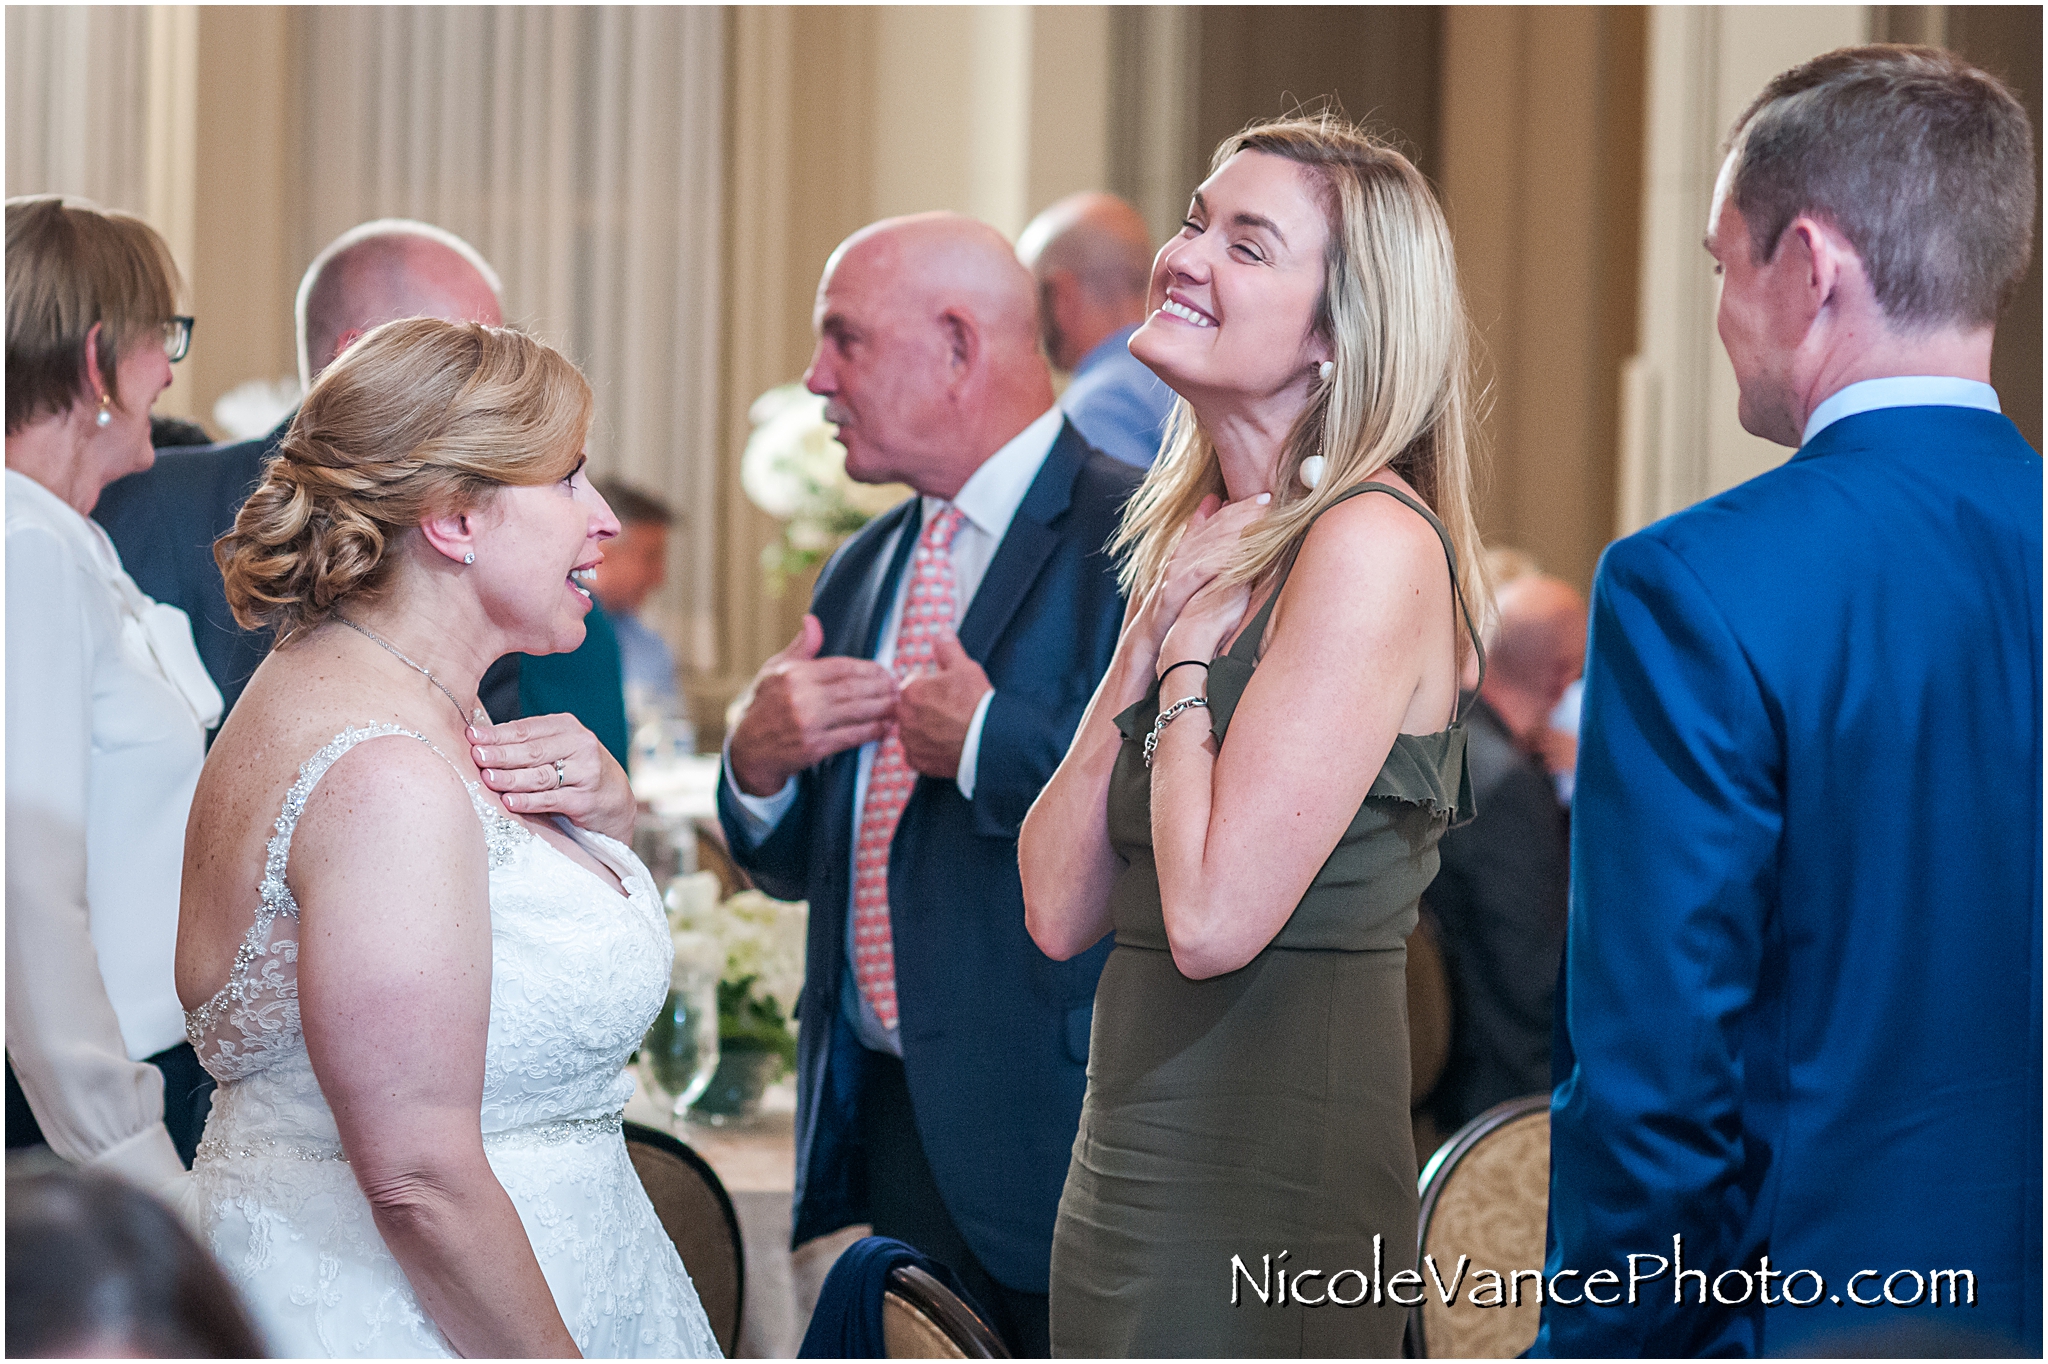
[[418, 419], [1399, 397]]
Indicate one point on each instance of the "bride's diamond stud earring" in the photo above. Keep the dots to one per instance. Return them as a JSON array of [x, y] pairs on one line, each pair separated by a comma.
[[469, 557]]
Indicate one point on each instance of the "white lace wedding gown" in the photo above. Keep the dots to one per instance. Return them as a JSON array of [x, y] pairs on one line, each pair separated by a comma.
[[577, 974]]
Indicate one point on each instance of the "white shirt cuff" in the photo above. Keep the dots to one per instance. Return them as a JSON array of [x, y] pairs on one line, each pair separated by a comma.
[[758, 814], [970, 748], [147, 1158]]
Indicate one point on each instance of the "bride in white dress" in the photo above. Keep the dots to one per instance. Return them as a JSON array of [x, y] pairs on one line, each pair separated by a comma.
[[417, 989]]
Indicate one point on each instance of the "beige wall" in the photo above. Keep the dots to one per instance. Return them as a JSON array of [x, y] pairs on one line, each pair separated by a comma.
[[1540, 154], [1681, 440], [242, 267]]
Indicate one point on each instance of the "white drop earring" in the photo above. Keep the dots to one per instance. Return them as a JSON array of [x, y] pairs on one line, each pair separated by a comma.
[[1311, 472], [105, 416]]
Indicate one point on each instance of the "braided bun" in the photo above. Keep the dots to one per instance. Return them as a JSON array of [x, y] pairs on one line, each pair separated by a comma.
[[420, 418]]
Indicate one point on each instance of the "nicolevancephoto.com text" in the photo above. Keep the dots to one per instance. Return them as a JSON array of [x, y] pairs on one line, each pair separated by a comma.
[[1274, 1284]]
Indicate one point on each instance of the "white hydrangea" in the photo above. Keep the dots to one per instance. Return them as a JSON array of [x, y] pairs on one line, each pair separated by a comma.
[[794, 468], [757, 935]]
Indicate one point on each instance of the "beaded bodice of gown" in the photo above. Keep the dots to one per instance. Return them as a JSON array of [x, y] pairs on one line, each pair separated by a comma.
[[578, 972]]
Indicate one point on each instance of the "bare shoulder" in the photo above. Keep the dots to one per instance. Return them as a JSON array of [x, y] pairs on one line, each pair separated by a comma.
[[1372, 556], [393, 793]]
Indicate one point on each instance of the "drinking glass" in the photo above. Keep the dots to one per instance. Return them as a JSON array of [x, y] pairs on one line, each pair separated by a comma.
[[680, 1053]]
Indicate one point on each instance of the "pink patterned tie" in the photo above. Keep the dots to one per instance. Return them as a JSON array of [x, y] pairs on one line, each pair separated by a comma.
[[927, 611]]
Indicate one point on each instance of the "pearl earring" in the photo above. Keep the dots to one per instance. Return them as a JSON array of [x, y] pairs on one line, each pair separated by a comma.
[[469, 557], [105, 416], [1311, 472], [1325, 370]]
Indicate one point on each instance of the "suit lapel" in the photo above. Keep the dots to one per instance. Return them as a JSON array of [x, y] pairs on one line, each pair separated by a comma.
[[861, 629], [1029, 542]]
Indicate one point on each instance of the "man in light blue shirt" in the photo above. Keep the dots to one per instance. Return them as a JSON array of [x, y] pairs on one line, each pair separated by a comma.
[[1092, 258], [635, 563]]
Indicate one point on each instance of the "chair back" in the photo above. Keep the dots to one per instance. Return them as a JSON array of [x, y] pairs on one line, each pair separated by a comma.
[[1486, 1195], [923, 1319], [698, 1216]]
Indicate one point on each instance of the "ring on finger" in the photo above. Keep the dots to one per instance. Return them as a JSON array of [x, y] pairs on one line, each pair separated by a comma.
[[561, 776]]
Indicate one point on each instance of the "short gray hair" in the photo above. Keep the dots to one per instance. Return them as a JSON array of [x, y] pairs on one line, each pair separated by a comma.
[[1924, 162]]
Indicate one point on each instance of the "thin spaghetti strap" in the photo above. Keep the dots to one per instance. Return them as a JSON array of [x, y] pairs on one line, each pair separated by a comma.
[[1250, 638]]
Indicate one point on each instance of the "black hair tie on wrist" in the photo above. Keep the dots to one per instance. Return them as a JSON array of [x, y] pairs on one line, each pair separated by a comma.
[[1184, 663]]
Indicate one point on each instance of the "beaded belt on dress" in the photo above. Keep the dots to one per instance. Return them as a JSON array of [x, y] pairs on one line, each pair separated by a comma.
[[551, 1133]]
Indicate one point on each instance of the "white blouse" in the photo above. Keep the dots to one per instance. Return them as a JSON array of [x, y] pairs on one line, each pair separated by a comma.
[[107, 711]]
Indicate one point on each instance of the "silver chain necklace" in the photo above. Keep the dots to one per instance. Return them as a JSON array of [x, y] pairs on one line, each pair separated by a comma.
[[396, 653]]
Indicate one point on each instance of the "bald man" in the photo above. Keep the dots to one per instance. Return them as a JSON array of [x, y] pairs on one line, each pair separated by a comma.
[[881, 764], [164, 520], [1091, 257], [1500, 896]]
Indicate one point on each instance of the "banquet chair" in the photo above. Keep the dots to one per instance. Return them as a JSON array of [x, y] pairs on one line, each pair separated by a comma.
[[923, 1319], [713, 856], [698, 1216], [1485, 1194]]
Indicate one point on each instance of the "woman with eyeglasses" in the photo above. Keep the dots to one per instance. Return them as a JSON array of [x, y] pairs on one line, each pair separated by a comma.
[[107, 708]]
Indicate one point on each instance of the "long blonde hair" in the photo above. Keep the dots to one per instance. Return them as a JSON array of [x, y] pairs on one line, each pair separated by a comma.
[[1400, 395]]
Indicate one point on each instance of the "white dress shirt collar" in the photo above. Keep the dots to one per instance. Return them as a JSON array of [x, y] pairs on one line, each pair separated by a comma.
[[1904, 390], [990, 497]]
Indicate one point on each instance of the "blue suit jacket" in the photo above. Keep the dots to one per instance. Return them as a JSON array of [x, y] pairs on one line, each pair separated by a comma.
[[995, 1033], [164, 521], [1803, 980]]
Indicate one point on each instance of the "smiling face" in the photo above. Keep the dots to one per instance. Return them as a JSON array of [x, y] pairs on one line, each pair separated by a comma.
[[537, 549], [1234, 294]]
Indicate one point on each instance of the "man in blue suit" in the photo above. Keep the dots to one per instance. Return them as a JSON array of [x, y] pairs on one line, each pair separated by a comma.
[[942, 1056], [1800, 1047]]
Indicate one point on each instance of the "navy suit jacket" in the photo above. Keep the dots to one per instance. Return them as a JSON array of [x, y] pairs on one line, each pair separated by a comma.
[[994, 1032], [164, 521], [1803, 977]]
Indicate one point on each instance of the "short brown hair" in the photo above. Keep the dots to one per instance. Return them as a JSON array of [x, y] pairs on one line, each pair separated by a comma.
[[633, 506], [420, 418], [69, 266], [1924, 162]]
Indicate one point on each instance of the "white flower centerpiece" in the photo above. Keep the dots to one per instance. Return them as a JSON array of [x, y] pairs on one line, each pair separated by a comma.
[[760, 943], [794, 468]]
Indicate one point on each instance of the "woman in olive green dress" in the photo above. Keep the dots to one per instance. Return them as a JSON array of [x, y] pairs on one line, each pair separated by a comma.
[[1253, 800]]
